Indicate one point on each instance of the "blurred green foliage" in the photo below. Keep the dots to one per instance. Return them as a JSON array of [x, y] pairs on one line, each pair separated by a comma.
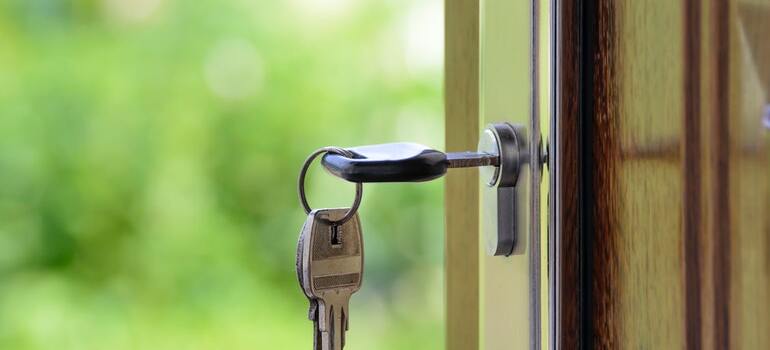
[[148, 157]]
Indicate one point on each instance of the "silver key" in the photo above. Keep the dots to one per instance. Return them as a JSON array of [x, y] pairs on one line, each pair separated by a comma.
[[332, 270]]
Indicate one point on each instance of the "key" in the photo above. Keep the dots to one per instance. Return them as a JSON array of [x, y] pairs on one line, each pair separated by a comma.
[[401, 162], [332, 270], [332, 263]]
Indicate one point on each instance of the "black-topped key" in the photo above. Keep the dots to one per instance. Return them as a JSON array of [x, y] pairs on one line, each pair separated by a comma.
[[400, 162]]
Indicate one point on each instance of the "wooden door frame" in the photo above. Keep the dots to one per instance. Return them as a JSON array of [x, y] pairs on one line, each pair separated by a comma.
[[461, 104], [581, 283]]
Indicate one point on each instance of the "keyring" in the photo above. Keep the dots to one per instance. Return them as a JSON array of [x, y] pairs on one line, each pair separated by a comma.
[[301, 183]]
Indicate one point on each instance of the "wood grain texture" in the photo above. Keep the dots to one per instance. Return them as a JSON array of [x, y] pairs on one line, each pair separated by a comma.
[[629, 198], [693, 241], [461, 194], [719, 168], [663, 205], [645, 212], [639, 284], [743, 86]]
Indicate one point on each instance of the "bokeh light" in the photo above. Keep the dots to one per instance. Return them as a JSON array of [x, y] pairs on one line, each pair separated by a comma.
[[149, 151]]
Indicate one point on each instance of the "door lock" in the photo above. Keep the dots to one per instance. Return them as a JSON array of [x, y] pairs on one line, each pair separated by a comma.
[[502, 152]]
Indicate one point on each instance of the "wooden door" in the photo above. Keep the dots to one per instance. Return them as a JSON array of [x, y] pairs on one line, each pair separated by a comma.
[[661, 171], [655, 201]]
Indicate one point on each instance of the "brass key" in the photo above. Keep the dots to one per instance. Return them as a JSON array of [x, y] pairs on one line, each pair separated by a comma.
[[331, 271]]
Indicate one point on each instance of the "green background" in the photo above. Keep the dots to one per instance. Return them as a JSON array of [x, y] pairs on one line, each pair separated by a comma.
[[148, 156]]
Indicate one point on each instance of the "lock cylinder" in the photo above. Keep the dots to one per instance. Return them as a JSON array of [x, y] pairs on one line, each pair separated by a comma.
[[499, 196]]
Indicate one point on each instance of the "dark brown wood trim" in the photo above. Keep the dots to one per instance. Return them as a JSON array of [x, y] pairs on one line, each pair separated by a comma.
[[601, 168], [587, 149], [564, 175], [586, 139], [691, 240], [586, 132], [720, 139]]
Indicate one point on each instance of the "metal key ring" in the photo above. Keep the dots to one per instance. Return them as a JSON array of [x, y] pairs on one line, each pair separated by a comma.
[[301, 183]]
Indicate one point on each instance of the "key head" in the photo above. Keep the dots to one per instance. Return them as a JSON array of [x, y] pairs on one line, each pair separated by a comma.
[[390, 162], [332, 255]]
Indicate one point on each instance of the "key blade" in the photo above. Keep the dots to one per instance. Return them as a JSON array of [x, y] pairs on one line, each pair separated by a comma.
[[471, 159], [332, 319], [343, 325], [317, 337]]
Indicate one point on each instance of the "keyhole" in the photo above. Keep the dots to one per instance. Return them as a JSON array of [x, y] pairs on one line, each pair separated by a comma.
[[336, 239]]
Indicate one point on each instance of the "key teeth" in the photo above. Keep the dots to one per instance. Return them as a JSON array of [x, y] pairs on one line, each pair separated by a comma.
[[317, 337], [345, 317], [333, 330]]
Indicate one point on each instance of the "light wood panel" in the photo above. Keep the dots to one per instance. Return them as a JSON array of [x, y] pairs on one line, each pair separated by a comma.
[[462, 124], [740, 102], [636, 174]]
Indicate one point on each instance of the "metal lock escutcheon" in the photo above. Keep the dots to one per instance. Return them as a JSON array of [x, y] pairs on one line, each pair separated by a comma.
[[499, 196]]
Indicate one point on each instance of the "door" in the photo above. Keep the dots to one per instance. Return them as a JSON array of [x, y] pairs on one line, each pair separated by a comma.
[[662, 174], [653, 228]]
